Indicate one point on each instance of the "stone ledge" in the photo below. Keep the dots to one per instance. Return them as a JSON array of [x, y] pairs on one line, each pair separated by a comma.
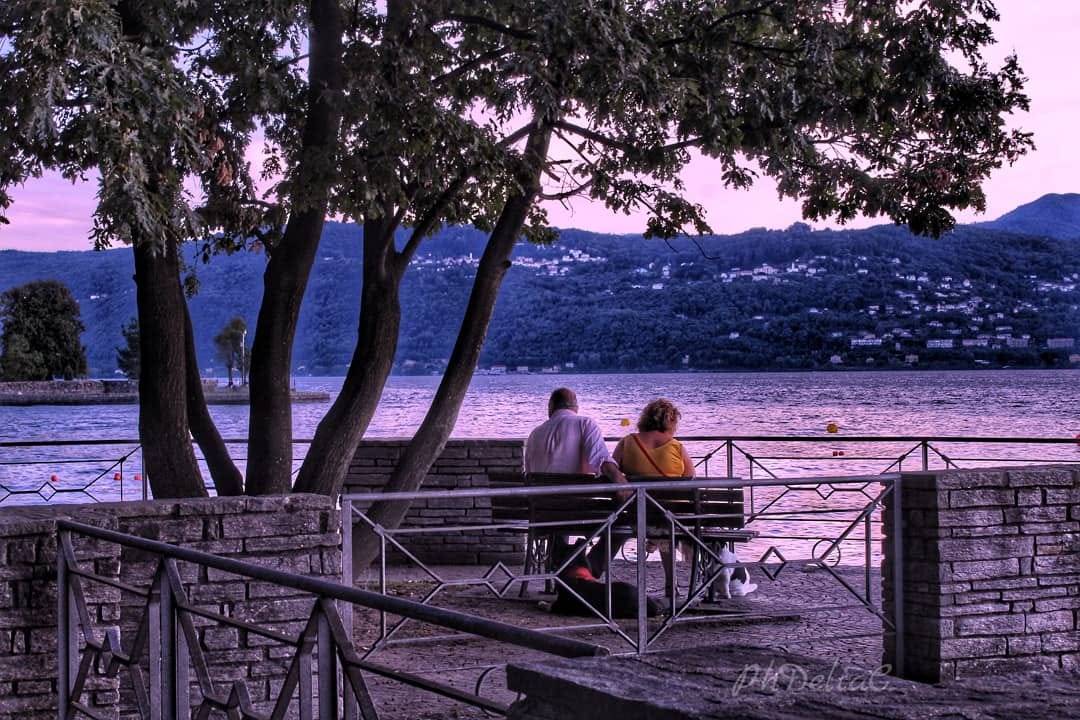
[[698, 683]]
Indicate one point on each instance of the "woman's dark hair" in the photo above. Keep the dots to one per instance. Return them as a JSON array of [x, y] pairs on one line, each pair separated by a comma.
[[660, 415]]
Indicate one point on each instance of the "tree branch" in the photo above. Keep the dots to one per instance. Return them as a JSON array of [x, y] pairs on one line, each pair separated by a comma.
[[566, 194], [471, 64], [745, 12], [490, 24]]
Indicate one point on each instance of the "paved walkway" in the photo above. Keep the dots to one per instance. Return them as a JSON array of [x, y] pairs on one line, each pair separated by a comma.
[[825, 617]]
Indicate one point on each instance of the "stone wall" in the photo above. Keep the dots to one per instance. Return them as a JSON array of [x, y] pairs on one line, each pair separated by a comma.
[[294, 533], [28, 663], [991, 571], [463, 464]]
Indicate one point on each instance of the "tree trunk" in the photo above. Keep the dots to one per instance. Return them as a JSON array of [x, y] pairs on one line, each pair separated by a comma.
[[345, 423], [168, 458], [434, 431], [269, 468], [226, 476]]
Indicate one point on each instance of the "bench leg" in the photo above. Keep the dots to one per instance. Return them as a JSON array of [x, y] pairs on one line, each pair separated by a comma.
[[530, 562], [549, 561], [695, 562]]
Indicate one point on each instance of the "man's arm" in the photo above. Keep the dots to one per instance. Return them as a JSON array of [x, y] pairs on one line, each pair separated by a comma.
[[612, 472]]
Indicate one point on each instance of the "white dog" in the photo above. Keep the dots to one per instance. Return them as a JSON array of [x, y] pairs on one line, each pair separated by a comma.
[[735, 581]]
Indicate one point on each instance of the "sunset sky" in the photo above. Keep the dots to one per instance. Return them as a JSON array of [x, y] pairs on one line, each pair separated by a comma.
[[52, 214]]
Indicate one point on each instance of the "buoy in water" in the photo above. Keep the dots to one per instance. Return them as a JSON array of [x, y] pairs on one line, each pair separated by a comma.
[[625, 422], [54, 479], [832, 428], [117, 477]]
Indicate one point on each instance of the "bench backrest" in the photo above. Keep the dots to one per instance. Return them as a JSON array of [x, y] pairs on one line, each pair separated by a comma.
[[701, 507]]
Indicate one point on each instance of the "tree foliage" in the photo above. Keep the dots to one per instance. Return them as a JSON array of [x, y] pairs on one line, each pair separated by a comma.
[[41, 329], [232, 349]]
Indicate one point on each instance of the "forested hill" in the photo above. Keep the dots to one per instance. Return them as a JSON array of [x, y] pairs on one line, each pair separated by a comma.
[[794, 298]]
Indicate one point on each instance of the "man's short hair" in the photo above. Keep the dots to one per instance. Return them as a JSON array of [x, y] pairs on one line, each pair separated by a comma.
[[562, 399]]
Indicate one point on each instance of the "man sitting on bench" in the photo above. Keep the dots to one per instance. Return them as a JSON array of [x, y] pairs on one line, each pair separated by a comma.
[[573, 444]]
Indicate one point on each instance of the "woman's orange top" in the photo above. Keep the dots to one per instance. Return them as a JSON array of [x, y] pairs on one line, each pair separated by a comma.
[[666, 460]]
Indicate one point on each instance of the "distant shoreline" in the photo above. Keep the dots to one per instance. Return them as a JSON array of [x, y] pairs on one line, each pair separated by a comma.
[[92, 391]]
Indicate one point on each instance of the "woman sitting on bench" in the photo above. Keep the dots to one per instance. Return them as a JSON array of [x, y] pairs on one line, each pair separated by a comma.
[[653, 450]]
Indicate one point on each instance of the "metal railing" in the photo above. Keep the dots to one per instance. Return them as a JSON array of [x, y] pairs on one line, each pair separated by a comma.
[[777, 455], [167, 641], [640, 511], [112, 469]]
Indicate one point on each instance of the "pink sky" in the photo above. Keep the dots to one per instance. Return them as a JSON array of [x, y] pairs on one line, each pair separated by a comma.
[[52, 214]]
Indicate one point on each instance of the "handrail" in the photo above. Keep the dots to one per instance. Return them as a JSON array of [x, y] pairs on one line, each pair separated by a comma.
[[492, 629], [991, 439], [710, 483]]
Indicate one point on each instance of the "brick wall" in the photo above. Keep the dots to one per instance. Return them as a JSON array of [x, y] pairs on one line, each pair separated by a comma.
[[463, 463], [294, 533], [991, 571]]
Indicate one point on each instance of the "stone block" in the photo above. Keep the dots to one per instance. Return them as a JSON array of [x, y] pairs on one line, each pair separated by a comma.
[[1002, 624], [220, 638], [964, 648], [1036, 593], [970, 518], [273, 610], [966, 479], [1056, 642], [1024, 645], [1012, 583], [1063, 496], [1005, 666], [1041, 477], [988, 548], [986, 531], [1054, 564], [270, 524], [287, 543], [984, 569], [981, 497], [974, 609], [1040, 514], [1053, 621]]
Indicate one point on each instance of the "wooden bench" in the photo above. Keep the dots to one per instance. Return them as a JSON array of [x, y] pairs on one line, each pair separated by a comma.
[[712, 515]]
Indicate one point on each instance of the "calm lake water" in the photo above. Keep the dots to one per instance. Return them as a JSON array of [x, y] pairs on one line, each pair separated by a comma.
[[988, 403]]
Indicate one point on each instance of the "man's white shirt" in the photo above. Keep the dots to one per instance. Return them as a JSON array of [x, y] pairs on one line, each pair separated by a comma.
[[566, 443]]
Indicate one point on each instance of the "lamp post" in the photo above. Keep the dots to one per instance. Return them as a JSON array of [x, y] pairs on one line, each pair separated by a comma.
[[243, 356]]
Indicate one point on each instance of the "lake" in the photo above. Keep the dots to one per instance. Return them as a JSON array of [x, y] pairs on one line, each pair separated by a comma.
[[983, 403]]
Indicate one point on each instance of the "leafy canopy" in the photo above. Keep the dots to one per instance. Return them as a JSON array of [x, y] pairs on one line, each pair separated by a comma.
[[866, 106]]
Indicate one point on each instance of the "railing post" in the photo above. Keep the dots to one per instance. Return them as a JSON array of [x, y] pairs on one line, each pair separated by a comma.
[[345, 609], [328, 690], [67, 648], [898, 580], [642, 589], [925, 445], [163, 650], [730, 458]]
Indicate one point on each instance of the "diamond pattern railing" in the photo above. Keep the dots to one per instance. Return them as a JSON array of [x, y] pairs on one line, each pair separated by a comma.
[[646, 518]]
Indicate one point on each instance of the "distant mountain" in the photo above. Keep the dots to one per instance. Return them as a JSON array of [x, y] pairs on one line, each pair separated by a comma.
[[1053, 215], [763, 299]]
